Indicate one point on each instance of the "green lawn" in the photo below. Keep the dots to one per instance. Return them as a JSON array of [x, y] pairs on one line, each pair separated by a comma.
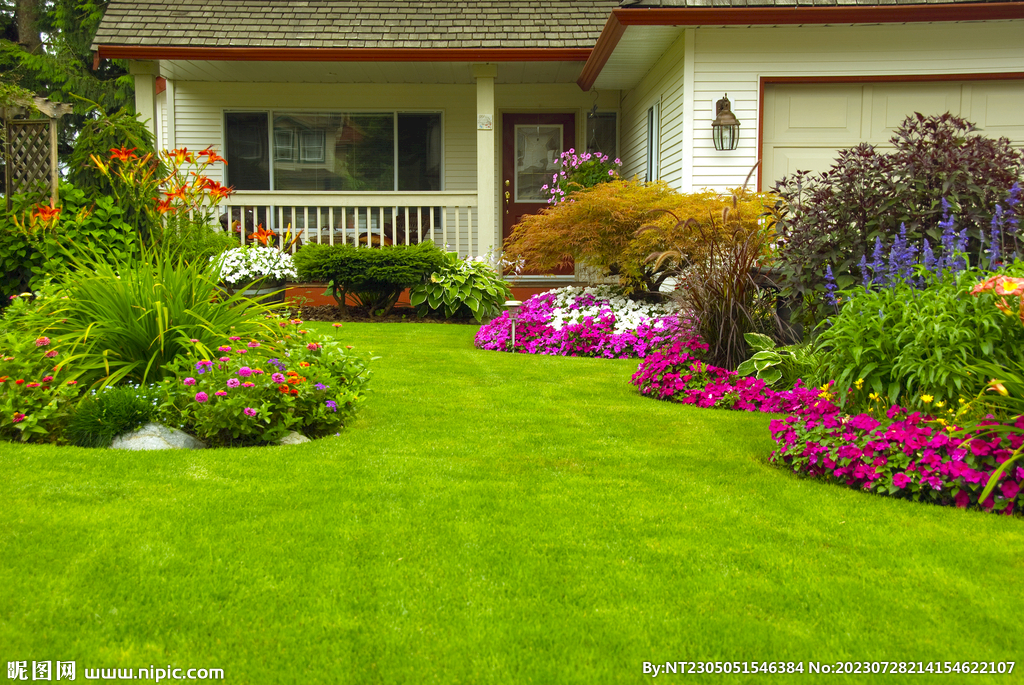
[[491, 518]]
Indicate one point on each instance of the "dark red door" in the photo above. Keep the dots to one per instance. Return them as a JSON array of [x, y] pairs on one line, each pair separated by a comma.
[[530, 149]]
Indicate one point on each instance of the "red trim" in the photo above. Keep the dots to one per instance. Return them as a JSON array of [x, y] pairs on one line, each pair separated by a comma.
[[819, 14], [774, 16], [161, 84], [346, 54], [609, 39], [891, 78]]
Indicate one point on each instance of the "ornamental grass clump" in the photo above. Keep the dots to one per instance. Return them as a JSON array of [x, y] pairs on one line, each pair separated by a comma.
[[583, 322]]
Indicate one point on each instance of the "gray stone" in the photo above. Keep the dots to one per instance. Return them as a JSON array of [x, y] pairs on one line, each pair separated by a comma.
[[293, 438], [155, 436]]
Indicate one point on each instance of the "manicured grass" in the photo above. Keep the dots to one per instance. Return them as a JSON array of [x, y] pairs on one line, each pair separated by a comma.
[[490, 518]]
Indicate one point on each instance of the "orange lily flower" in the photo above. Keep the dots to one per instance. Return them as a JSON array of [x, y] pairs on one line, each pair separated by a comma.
[[263, 236], [44, 213], [122, 154], [164, 206], [211, 156]]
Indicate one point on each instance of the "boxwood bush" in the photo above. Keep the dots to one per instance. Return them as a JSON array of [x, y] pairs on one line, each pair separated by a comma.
[[373, 277]]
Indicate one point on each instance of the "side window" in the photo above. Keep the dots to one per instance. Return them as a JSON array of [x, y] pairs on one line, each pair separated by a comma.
[[653, 151]]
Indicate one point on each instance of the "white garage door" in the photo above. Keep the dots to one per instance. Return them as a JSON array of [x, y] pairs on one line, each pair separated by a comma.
[[805, 124]]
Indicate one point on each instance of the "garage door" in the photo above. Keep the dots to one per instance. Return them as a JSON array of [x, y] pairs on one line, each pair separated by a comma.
[[805, 124]]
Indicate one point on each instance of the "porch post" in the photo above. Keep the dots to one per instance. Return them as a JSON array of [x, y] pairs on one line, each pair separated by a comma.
[[486, 188], [145, 74]]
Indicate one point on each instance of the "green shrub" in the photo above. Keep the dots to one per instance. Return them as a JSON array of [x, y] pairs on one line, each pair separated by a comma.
[[374, 277], [104, 415], [460, 288], [901, 342], [834, 217], [33, 248]]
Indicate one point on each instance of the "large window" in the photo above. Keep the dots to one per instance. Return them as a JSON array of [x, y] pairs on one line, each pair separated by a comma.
[[376, 151]]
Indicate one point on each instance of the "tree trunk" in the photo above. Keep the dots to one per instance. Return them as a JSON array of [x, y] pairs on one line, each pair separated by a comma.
[[26, 13]]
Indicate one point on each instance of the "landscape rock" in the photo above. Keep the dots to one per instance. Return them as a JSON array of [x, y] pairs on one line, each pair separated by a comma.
[[293, 438], [155, 436]]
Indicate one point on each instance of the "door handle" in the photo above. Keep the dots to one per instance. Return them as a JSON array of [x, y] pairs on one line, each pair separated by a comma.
[[508, 197]]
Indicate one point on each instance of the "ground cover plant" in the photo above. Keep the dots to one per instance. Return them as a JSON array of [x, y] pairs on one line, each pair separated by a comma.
[[489, 519], [583, 322]]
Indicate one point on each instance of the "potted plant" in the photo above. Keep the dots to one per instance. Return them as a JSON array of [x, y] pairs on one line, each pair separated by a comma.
[[256, 270]]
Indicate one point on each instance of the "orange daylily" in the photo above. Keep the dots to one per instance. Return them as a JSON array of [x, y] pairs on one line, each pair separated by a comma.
[[44, 213], [164, 206], [263, 236], [182, 155], [122, 154], [211, 156]]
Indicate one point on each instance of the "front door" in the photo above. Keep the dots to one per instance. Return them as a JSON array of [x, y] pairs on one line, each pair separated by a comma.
[[530, 149]]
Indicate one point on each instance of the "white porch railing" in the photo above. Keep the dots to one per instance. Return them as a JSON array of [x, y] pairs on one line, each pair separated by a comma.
[[370, 219]]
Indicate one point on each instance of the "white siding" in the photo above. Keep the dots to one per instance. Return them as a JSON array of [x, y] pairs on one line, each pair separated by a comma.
[[662, 84], [733, 60]]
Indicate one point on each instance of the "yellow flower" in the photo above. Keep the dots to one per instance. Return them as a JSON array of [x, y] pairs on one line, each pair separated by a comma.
[[941, 404], [962, 400], [873, 397], [998, 387], [927, 399], [859, 384]]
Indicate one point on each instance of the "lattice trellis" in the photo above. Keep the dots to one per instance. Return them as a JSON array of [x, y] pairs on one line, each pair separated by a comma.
[[31, 157]]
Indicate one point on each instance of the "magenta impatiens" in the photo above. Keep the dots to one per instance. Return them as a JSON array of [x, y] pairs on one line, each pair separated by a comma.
[[577, 322]]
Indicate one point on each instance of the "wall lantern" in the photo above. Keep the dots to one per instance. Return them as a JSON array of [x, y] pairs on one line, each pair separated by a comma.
[[512, 307], [726, 127]]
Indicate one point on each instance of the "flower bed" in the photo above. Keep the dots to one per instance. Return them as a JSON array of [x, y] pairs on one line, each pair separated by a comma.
[[583, 322], [910, 455], [676, 373]]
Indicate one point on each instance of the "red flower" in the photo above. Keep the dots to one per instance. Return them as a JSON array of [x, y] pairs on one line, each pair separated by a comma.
[[44, 213], [122, 154], [284, 389], [20, 381]]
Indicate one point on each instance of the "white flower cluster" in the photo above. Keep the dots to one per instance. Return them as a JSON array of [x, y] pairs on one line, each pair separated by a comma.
[[629, 315], [249, 263]]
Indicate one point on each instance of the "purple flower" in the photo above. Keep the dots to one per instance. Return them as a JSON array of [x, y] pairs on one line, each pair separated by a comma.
[[321, 386], [332, 405], [202, 397]]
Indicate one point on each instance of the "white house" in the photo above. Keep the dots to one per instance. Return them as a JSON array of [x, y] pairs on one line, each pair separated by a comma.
[[406, 120]]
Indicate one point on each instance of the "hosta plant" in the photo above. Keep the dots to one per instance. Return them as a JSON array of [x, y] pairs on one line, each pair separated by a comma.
[[462, 287]]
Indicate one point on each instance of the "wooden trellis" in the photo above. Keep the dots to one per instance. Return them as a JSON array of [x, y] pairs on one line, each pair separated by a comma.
[[30, 148]]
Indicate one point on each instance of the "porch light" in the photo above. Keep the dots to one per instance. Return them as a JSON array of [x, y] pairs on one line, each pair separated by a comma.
[[726, 127], [512, 307]]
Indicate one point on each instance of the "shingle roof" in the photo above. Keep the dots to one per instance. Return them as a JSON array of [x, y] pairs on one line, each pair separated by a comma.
[[355, 23], [789, 3]]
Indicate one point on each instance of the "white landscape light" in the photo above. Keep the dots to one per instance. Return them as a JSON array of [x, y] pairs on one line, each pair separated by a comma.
[[512, 307]]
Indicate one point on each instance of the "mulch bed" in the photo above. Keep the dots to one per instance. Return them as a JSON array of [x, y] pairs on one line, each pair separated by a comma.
[[330, 312]]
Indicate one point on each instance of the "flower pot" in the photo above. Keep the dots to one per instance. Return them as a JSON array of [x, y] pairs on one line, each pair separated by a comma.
[[269, 292]]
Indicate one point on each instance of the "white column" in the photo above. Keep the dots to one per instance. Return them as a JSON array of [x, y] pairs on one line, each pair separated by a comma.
[[145, 74], [489, 232], [686, 178]]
